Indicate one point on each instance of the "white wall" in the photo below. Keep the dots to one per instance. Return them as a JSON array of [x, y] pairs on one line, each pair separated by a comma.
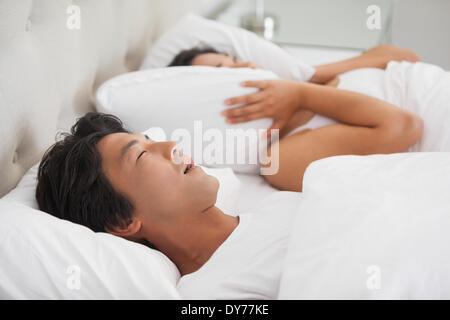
[[424, 25], [172, 10], [335, 23]]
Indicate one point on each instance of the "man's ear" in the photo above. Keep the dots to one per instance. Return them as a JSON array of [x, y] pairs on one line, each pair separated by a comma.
[[126, 230]]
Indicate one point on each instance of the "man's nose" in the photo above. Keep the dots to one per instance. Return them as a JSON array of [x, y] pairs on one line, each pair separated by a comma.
[[176, 153]]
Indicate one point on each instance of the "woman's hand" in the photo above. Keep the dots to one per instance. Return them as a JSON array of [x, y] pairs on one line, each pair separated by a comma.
[[277, 99], [245, 64]]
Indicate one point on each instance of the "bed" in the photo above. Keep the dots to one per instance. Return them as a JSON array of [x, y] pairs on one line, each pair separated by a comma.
[[49, 73], [50, 68]]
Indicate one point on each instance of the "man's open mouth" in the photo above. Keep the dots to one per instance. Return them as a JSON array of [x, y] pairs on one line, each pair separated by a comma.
[[190, 166]]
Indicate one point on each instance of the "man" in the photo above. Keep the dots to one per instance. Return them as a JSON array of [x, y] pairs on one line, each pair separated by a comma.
[[111, 180]]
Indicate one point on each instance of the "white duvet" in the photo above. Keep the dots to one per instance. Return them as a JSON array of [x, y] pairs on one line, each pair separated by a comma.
[[372, 227], [423, 89], [379, 226]]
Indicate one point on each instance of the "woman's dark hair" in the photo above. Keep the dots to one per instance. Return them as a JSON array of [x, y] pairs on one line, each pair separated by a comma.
[[71, 184], [185, 57]]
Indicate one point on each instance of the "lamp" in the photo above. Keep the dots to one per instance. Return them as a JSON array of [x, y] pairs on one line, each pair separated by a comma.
[[260, 22]]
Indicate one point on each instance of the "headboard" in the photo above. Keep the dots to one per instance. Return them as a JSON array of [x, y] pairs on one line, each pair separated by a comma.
[[50, 68]]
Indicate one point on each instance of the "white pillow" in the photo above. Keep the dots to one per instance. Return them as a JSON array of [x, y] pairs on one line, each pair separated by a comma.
[[42, 255], [195, 31], [187, 101]]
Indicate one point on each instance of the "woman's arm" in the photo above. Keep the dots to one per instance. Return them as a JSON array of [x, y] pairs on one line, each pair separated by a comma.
[[352, 108], [377, 57], [369, 126], [280, 99]]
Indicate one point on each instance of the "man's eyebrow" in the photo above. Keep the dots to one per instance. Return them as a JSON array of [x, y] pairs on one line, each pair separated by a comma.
[[127, 147]]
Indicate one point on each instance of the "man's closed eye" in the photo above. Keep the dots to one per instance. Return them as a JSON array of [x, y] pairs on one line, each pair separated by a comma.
[[140, 155]]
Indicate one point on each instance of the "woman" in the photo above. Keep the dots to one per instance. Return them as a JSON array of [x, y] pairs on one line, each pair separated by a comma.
[[345, 122]]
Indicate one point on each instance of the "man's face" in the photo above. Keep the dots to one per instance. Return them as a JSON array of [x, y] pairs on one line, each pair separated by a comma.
[[221, 60], [152, 176]]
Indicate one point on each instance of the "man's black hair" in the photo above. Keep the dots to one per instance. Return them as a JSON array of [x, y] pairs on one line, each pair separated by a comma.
[[71, 183], [185, 57]]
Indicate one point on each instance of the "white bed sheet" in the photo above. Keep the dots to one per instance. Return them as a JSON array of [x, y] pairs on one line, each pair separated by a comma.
[[253, 189]]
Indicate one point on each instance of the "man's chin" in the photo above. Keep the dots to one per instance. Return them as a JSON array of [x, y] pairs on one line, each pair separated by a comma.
[[208, 181]]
